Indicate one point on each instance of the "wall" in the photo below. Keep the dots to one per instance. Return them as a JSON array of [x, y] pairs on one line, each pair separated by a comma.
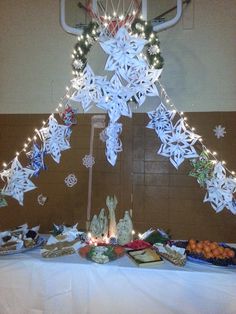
[[35, 53], [199, 75], [159, 195]]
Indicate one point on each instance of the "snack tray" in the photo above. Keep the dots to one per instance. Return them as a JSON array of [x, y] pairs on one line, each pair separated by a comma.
[[22, 250], [200, 261]]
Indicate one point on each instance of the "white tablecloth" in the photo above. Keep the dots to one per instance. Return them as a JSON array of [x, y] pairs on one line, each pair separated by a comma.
[[30, 284]]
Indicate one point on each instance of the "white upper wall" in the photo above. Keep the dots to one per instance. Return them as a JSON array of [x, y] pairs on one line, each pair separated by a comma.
[[199, 72]]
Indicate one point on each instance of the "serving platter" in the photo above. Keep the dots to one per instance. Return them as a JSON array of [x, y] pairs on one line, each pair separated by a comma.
[[24, 249]]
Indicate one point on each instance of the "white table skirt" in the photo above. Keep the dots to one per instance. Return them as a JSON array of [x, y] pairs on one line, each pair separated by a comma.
[[30, 284]]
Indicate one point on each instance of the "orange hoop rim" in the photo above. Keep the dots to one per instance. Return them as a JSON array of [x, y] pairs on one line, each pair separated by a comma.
[[101, 18]]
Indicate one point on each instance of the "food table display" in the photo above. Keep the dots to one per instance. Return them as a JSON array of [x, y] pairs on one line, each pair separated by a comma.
[[70, 284]]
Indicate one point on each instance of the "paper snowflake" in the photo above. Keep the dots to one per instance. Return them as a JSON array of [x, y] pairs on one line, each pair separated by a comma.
[[71, 180], [219, 131], [153, 49], [178, 144], [143, 83], [18, 181], [161, 120], [55, 138], [220, 189], [123, 50], [41, 199], [113, 143], [36, 156], [88, 161], [115, 100], [88, 88], [78, 64]]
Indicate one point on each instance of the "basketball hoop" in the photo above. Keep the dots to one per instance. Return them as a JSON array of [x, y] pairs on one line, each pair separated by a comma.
[[113, 14]]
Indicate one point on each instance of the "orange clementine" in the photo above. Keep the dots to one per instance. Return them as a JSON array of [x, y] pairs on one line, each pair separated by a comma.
[[216, 252], [231, 254]]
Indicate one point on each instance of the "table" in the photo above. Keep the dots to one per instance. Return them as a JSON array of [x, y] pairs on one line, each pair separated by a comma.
[[30, 284]]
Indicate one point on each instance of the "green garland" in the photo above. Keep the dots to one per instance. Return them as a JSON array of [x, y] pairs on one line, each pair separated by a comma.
[[91, 33]]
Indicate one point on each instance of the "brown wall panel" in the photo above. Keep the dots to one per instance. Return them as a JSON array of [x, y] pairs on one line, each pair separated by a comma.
[[159, 195]]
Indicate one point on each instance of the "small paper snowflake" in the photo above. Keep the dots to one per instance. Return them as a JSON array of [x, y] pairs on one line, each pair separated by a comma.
[[219, 131], [71, 180], [41, 199], [153, 49], [88, 161], [78, 64]]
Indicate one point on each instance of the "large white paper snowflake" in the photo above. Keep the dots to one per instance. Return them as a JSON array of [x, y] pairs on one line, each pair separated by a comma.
[[142, 82], [219, 131], [220, 189], [123, 50], [88, 88], [55, 138], [18, 181], [115, 99], [113, 143], [161, 120], [178, 144]]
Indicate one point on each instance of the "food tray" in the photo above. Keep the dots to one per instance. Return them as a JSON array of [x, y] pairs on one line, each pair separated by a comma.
[[200, 259], [23, 250]]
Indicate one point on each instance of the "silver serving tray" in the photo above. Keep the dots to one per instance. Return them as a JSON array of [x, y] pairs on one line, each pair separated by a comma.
[[22, 250]]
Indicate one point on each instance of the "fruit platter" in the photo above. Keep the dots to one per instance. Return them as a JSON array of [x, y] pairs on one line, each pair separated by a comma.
[[101, 254], [209, 252]]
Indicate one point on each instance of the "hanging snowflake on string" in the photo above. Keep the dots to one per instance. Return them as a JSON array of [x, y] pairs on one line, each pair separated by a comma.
[[219, 131], [71, 180], [220, 189], [88, 88], [142, 83], [178, 144], [18, 181], [36, 156], [115, 99], [88, 161], [161, 120], [123, 51], [153, 49], [113, 143], [68, 115], [55, 138]]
